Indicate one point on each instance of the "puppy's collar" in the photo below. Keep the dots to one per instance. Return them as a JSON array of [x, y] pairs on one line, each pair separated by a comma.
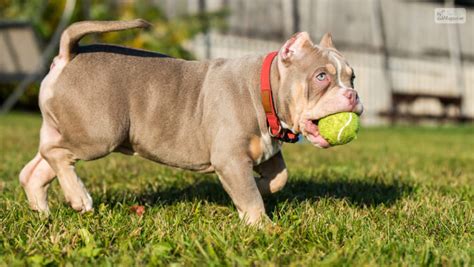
[[274, 126]]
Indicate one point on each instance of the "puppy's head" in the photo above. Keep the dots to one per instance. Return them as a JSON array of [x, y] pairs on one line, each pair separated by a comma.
[[315, 81]]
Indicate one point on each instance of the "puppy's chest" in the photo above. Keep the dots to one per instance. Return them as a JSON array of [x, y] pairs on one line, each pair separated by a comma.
[[263, 148]]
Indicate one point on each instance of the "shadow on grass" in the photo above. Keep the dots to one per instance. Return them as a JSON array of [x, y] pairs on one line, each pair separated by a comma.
[[359, 193]]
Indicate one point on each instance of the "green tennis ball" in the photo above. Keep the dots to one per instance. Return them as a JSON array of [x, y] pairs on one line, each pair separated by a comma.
[[339, 128]]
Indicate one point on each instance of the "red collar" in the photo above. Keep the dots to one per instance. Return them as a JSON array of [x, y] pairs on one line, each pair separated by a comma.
[[274, 125]]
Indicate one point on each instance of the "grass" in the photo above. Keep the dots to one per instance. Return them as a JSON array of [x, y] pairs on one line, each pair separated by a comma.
[[396, 196]]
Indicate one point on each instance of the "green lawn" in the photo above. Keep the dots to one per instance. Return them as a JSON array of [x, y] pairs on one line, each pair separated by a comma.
[[395, 196]]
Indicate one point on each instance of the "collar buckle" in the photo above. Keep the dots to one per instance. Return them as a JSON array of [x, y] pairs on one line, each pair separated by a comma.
[[277, 134], [274, 125]]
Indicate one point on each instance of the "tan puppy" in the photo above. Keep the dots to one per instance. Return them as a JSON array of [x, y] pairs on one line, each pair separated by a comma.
[[205, 116]]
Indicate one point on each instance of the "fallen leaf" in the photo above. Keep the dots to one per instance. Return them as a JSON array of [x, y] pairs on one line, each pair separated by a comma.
[[137, 209]]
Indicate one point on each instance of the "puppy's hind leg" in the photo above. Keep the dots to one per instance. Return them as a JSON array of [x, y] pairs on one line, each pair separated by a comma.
[[35, 178], [62, 161]]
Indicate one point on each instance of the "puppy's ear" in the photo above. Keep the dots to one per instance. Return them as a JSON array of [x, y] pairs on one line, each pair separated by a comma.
[[326, 41], [296, 47]]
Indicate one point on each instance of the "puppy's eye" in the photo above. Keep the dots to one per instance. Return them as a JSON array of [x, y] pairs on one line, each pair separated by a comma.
[[322, 76], [352, 80]]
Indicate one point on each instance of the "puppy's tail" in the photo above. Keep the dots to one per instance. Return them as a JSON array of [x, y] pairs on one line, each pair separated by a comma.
[[76, 31]]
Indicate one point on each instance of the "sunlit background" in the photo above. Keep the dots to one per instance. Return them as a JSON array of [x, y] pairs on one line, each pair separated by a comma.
[[402, 194], [410, 66]]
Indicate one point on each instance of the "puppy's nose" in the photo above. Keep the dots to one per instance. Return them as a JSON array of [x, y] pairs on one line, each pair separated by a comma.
[[351, 94]]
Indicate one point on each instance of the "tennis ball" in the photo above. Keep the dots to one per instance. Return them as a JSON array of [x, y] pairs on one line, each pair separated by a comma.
[[339, 128]]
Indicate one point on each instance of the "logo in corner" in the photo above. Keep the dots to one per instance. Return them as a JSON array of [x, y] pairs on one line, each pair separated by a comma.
[[450, 15]]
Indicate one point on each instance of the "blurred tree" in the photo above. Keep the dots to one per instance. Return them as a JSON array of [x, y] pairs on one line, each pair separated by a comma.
[[167, 36]]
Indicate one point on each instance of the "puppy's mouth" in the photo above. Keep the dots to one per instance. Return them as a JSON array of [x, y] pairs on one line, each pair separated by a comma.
[[311, 131]]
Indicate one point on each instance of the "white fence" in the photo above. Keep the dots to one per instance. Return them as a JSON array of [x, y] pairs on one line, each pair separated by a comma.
[[419, 48], [420, 75]]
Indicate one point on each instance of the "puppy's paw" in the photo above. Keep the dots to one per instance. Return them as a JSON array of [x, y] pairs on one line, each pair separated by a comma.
[[261, 221], [81, 203]]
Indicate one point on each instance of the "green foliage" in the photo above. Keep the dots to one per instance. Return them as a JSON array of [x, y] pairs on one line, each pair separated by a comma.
[[167, 36], [42, 14], [395, 196]]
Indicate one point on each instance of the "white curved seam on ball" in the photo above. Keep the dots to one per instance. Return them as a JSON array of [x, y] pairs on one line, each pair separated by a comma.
[[343, 127]]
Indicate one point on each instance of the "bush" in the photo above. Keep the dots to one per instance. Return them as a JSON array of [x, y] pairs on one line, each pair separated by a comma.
[[167, 36]]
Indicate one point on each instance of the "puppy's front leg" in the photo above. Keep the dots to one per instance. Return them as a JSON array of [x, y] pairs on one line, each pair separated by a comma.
[[273, 175], [236, 175]]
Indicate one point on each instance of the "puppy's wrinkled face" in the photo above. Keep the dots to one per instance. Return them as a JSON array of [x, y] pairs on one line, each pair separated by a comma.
[[316, 81]]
